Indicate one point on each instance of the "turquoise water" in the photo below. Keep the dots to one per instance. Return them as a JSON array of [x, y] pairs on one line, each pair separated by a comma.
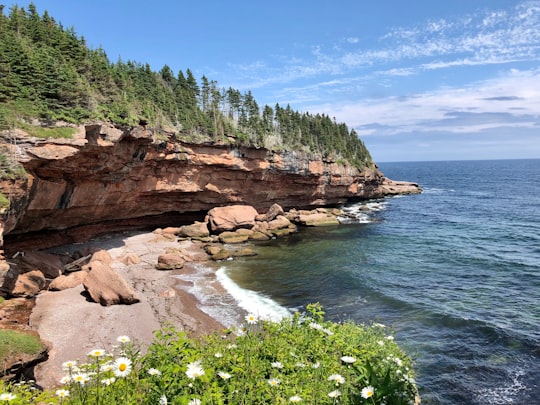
[[454, 271]]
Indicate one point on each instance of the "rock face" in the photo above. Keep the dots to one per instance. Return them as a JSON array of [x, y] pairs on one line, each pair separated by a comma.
[[109, 179]]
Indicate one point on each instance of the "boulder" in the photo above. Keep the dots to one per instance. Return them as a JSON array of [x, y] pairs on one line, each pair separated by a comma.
[[106, 287], [273, 212], [29, 284], [317, 219], [217, 252], [102, 256], [232, 217], [195, 230], [170, 261], [278, 223], [71, 280], [232, 237], [50, 265]]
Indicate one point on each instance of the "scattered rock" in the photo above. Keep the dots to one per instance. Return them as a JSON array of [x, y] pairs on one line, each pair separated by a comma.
[[29, 284], [196, 230], [170, 261], [233, 237], [273, 212], [68, 281], [317, 219]]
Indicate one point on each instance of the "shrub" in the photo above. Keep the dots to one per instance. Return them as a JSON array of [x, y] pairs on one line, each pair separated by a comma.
[[299, 359]]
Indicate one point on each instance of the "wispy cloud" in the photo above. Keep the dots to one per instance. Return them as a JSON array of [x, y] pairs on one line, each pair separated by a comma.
[[485, 38]]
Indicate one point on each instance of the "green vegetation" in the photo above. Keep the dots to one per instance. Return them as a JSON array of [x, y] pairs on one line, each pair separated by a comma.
[[14, 343], [48, 72], [300, 359]]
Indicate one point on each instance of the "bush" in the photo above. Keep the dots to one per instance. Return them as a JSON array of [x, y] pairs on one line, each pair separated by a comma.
[[300, 359]]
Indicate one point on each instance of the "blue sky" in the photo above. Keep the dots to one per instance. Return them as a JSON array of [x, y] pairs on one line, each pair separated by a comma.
[[418, 80]]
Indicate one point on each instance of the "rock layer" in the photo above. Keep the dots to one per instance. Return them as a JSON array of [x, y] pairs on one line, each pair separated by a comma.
[[108, 179]]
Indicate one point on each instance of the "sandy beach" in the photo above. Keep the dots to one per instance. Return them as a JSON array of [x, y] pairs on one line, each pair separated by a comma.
[[73, 325]]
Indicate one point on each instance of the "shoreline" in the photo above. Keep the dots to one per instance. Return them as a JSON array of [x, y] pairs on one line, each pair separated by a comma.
[[67, 322]]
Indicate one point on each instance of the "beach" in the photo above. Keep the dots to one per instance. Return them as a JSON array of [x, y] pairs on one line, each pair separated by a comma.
[[72, 325]]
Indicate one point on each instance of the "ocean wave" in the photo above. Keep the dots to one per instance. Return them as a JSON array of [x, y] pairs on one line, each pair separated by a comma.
[[362, 212], [250, 301]]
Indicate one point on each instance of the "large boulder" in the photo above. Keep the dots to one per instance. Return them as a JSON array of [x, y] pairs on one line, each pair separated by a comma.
[[232, 217], [105, 286]]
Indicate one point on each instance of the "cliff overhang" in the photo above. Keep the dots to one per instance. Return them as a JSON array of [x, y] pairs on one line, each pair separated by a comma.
[[108, 179]]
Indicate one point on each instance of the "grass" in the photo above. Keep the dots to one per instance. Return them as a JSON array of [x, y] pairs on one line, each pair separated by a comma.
[[299, 359], [14, 343]]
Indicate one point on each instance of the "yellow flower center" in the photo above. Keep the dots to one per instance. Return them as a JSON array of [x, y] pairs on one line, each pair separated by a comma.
[[122, 367]]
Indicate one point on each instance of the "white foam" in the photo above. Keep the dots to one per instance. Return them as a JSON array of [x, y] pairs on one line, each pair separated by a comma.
[[202, 285], [361, 212], [254, 303]]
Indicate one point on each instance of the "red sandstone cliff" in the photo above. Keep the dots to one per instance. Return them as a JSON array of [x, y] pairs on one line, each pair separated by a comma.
[[107, 179]]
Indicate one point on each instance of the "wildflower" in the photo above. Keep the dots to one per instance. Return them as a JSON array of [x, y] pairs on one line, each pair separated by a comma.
[[69, 365], [274, 382], [7, 396], [97, 353], [251, 319], [122, 367], [108, 381], [316, 365], [316, 326], [194, 370], [295, 398], [334, 394], [241, 331], [232, 346], [380, 325], [337, 378], [65, 379], [163, 400], [154, 372], [81, 378], [62, 393], [389, 337], [300, 365], [195, 401], [123, 339], [277, 364], [398, 361], [328, 332], [348, 359], [224, 375], [218, 355], [367, 392]]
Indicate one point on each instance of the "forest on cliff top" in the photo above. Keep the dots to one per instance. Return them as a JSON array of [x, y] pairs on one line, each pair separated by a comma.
[[48, 72]]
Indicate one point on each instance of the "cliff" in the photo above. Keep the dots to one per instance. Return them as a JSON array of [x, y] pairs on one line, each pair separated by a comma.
[[108, 179]]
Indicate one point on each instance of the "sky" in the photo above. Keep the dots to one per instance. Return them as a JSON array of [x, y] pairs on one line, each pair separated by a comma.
[[418, 80]]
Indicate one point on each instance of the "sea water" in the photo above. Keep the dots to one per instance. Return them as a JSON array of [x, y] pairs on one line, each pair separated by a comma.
[[454, 272]]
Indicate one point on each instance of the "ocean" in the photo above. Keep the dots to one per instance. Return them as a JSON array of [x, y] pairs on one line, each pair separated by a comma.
[[454, 272]]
